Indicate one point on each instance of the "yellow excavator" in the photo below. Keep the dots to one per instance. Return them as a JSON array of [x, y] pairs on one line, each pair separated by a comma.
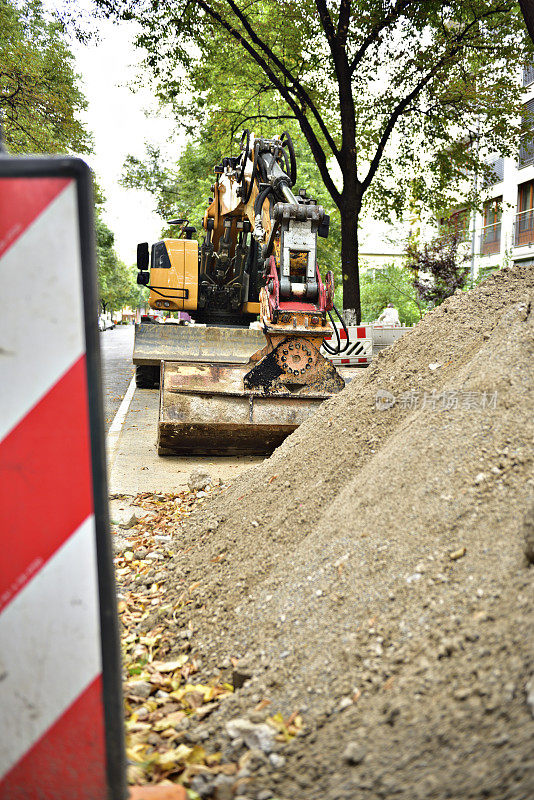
[[228, 383]]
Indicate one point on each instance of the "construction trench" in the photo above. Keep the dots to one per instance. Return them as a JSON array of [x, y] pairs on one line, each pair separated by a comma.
[[353, 616]]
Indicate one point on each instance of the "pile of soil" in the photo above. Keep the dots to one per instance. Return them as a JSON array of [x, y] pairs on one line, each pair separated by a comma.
[[373, 575]]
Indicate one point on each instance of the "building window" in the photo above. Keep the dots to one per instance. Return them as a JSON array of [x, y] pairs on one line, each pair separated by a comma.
[[524, 221], [528, 75], [490, 240], [497, 172], [526, 145], [457, 223]]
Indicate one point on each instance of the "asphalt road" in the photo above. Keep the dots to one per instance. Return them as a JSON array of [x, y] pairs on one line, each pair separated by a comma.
[[117, 369]]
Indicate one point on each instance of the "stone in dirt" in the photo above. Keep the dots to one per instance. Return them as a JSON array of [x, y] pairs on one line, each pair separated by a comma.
[[354, 753], [140, 688], [276, 760], [222, 788], [256, 736], [529, 688], [528, 533], [130, 523], [198, 481], [253, 760], [242, 672]]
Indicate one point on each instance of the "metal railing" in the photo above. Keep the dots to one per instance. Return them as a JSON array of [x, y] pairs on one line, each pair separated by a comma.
[[490, 239], [524, 228], [526, 151], [462, 234]]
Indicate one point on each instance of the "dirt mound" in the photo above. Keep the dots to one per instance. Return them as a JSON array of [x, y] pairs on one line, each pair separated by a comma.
[[373, 571]]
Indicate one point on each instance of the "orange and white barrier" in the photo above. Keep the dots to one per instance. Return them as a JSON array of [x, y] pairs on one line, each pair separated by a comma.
[[59, 664]]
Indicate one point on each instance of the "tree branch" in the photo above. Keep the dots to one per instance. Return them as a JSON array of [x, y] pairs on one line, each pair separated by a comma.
[[405, 102], [346, 97], [343, 22], [396, 11], [326, 22], [400, 108], [300, 91], [309, 133]]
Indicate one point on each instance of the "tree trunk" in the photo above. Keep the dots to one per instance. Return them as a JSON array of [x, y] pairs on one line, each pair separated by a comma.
[[349, 263]]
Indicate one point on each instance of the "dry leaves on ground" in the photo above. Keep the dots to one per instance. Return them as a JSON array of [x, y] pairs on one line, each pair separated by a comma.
[[162, 693]]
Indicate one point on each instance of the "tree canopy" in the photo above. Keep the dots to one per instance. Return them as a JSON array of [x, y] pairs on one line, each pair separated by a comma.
[[116, 281], [391, 284], [40, 103], [39, 98], [388, 95]]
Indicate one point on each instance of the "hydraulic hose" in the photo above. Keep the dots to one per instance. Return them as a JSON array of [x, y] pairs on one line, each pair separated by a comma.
[[258, 205], [337, 350], [288, 142]]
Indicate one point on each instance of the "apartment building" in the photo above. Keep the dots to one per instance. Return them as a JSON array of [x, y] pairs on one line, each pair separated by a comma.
[[503, 231]]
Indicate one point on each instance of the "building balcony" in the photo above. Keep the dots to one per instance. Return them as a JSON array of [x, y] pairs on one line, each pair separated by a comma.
[[490, 239], [528, 75], [524, 229]]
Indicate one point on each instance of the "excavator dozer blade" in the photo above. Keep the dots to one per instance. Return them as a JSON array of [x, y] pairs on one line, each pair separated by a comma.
[[204, 409], [210, 344]]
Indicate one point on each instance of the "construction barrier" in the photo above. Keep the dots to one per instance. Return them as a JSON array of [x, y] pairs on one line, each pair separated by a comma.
[[365, 341], [61, 697], [360, 349]]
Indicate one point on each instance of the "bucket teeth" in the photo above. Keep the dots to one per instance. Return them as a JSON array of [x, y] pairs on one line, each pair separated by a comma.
[[294, 363]]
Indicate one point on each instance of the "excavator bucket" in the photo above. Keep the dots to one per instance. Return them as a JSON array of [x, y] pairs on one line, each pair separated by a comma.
[[204, 408], [155, 343]]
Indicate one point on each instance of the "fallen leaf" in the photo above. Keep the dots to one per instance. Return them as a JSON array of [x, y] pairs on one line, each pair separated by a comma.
[[170, 758], [170, 666], [203, 711], [169, 721]]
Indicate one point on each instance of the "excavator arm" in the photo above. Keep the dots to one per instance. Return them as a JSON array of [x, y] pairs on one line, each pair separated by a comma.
[[258, 256]]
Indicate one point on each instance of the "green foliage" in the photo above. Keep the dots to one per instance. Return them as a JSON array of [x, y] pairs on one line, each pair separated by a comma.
[[438, 268], [39, 98], [181, 189], [116, 281], [383, 90], [39, 106], [390, 284]]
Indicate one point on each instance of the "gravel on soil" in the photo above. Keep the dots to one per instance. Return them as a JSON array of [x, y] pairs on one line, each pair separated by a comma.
[[373, 576]]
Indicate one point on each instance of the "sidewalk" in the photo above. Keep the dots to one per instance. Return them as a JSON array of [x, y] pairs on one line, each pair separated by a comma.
[[134, 466]]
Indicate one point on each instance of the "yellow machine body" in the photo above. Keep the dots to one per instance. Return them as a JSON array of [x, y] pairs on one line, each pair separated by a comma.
[[175, 287]]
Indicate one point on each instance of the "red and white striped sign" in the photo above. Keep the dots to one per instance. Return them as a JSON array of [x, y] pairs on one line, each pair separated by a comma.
[[360, 349], [52, 708], [365, 341]]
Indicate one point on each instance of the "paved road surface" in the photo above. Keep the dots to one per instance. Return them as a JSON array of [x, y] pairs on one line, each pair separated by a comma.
[[117, 368]]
